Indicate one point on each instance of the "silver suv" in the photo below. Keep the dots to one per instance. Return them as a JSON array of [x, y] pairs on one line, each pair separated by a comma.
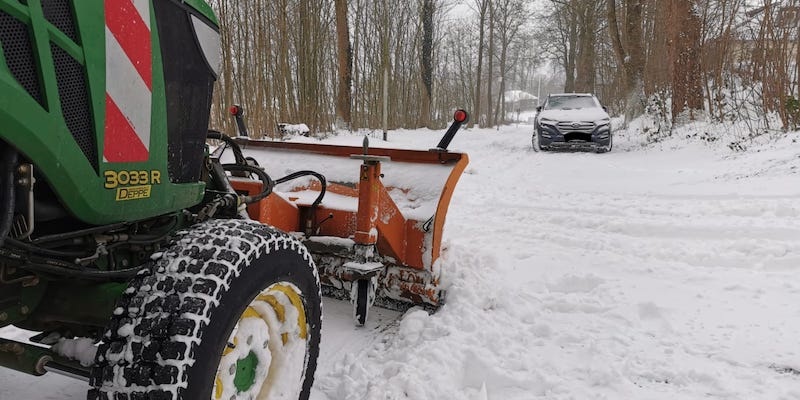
[[572, 121]]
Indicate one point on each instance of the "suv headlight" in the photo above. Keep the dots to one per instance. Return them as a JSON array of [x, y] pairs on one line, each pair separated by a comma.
[[604, 121], [547, 121]]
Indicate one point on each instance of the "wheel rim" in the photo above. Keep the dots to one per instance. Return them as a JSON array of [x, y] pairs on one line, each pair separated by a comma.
[[265, 357]]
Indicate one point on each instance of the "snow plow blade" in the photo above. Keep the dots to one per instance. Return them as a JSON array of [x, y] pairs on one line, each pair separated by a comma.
[[374, 225]]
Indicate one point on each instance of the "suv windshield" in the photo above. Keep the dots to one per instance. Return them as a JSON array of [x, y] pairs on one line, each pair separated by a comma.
[[570, 102]]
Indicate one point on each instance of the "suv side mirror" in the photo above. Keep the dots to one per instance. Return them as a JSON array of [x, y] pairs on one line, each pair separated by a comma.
[[605, 108], [538, 108]]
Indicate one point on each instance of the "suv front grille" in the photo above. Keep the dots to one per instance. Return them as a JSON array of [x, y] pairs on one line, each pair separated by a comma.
[[582, 127]]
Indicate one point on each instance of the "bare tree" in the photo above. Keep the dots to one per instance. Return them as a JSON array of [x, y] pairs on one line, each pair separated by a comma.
[[687, 87], [345, 64], [482, 7], [490, 65], [627, 42], [589, 18], [427, 10], [510, 16]]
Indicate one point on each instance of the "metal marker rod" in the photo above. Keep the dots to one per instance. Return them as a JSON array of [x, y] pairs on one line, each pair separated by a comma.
[[451, 131], [238, 115]]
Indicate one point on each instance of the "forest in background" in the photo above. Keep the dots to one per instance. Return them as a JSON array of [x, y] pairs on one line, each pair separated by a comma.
[[329, 63]]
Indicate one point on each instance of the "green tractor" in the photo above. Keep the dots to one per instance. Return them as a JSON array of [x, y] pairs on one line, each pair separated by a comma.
[[117, 225]]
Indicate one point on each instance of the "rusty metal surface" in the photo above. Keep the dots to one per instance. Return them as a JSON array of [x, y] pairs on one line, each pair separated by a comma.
[[402, 285]]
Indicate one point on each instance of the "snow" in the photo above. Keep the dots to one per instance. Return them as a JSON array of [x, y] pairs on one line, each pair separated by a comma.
[[81, 349], [415, 188], [581, 114], [657, 271], [365, 267], [295, 129]]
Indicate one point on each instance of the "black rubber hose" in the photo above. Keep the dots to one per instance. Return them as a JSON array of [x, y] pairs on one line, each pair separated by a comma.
[[322, 181], [82, 232], [237, 151], [262, 175], [92, 274], [45, 251], [8, 165], [65, 269]]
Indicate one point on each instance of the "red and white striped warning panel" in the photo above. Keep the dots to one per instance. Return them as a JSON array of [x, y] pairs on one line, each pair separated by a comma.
[[129, 73]]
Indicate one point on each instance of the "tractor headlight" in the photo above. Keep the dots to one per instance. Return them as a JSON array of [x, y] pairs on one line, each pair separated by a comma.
[[208, 37]]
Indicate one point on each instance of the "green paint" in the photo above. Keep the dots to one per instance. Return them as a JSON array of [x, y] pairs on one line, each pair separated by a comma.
[[204, 9], [246, 372], [41, 135], [90, 303]]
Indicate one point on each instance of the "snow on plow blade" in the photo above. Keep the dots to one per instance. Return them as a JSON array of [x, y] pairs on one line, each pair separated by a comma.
[[377, 232]]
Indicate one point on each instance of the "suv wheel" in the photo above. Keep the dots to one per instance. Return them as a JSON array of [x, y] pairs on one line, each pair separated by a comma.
[[535, 142], [607, 148]]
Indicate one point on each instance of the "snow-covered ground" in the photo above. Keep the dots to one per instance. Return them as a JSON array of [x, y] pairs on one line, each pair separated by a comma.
[[666, 271]]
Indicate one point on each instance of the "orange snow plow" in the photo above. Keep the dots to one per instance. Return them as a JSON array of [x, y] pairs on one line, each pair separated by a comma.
[[372, 218]]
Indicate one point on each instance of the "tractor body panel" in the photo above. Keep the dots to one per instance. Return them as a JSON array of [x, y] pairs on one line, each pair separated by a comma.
[[109, 99]]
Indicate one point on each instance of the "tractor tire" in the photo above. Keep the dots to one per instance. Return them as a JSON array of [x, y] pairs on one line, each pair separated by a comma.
[[232, 310]]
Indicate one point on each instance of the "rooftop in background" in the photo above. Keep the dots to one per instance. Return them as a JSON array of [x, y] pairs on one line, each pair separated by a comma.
[[517, 95]]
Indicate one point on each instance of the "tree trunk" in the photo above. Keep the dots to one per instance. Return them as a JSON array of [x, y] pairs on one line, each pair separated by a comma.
[[490, 72], [344, 59], [426, 63], [481, 24], [687, 86], [572, 45], [585, 62], [630, 55]]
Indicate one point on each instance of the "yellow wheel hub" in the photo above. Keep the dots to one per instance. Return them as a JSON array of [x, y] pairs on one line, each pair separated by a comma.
[[266, 353]]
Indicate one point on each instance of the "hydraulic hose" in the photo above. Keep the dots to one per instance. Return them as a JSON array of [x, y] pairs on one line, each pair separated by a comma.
[[65, 269], [44, 251], [322, 181], [262, 175], [83, 232], [237, 151], [8, 165], [91, 274], [323, 188]]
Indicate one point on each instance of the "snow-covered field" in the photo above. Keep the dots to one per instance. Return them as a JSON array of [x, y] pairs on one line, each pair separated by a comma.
[[667, 271]]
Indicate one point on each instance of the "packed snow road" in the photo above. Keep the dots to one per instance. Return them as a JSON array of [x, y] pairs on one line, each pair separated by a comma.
[[653, 272]]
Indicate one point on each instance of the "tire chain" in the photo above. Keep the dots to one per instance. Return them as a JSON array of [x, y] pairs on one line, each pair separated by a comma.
[[170, 299]]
